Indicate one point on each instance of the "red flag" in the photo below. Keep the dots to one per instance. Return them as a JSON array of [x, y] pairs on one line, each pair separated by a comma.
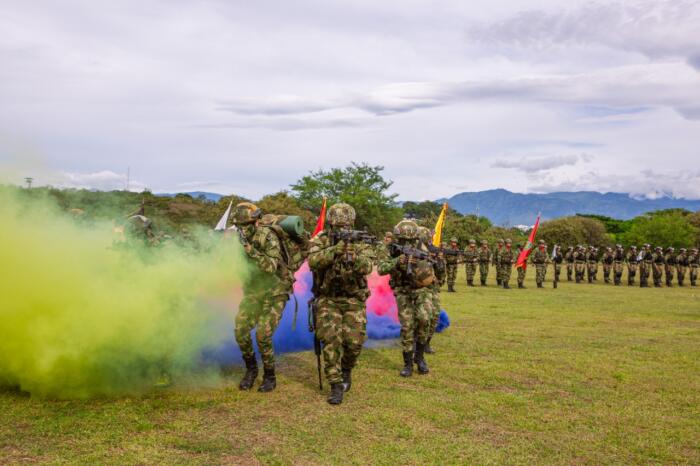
[[321, 220], [522, 257]]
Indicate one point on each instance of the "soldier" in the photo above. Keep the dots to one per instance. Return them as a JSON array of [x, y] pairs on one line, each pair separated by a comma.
[[632, 260], [410, 278], [471, 259], [439, 270], [618, 264], [540, 259], [266, 291], [669, 265], [681, 265], [497, 260], [522, 270], [569, 258], [451, 263], [557, 260], [658, 262], [694, 265], [608, 259], [484, 261], [340, 287], [591, 263], [645, 259], [505, 260], [580, 263]]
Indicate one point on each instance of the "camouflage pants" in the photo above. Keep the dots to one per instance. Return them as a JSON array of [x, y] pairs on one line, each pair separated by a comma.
[[521, 275], [580, 270], [644, 274], [540, 272], [483, 272], [415, 312], [470, 268], [263, 313], [342, 328], [505, 272], [607, 268], [657, 274], [592, 268], [557, 272], [693, 275], [618, 268], [681, 271], [451, 274], [631, 273], [669, 269], [435, 318]]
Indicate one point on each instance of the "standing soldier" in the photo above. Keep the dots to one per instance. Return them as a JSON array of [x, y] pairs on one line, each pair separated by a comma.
[[439, 270], [522, 270], [340, 269], [580, 263], [484, 261], [557, 260], [669, 265], [410, 278], [608, 259], [506, 260], [681, 265], [569, 257], [694, 264], [451, 263], [591, 263], [645, 262], [632, 259], [264, 295], [471, 259], [540, 259], [658, 262], [497, 260], [618, 264]]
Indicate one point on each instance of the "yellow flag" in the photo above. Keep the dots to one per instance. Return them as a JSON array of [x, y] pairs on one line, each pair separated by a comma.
[[437, 236]]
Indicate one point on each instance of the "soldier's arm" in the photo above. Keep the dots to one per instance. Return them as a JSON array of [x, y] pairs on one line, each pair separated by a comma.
[[268, 256], [321, 254], [387, 265], [363, 261]]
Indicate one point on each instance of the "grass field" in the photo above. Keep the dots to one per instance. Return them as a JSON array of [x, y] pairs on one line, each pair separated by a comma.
[[589, 374]]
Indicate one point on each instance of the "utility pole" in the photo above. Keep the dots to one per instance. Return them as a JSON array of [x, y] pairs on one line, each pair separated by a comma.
[[477, 212], [29, 180], [128, 175]]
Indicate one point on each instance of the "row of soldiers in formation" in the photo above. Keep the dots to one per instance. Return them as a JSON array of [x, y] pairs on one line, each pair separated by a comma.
[[581, 263]]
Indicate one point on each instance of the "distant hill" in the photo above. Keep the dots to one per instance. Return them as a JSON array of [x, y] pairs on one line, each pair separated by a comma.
[[503, 207], [214, 197]]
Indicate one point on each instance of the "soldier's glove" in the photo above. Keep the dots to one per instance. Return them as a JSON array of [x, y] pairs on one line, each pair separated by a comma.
[[248, 248], [402, 259], [340, 248], [350, 252]]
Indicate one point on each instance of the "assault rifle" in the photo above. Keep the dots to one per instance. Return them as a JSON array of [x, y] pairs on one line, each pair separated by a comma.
[[410, 252], [447, 252], [352, 236], [313, 327]]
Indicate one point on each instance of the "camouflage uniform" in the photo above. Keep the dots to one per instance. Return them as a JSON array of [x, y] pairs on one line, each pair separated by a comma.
[[591, 263], [694, 265], [265, 293], [521, 271], [484, 261], [681, 266], [632, 264], [540, 259], [413, 297], [471, 259], [608, 259], [580, 263], [440, 272], [645, 266], [669, 266], [557, 260], [451, 263], [340, 289], [658, 262], [569, 258], [497, 260], [506, 260]]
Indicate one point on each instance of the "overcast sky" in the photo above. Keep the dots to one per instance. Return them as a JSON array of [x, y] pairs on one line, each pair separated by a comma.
[[450, 96]]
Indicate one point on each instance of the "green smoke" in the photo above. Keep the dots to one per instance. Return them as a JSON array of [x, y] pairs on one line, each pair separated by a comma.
[[80, 317]]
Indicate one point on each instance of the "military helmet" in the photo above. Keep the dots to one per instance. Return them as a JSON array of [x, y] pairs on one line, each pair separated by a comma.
[[246, 212], [388, 234], [508, 241], [500, 241], [406, 229], [425, 235], [484, 242], [682, 250], [541, 241], [453, 240], [657, 248], [341, 214], [472, 241], [633, 247], [618, 246]]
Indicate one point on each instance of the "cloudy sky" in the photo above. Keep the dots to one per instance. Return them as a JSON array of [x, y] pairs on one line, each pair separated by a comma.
[[449, 96]]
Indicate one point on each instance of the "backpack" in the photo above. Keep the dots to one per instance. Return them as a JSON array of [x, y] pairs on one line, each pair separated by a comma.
[[294, 241]]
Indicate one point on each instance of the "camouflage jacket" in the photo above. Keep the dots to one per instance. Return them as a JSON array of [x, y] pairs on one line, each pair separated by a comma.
[[484, 255], [401, 279], [682, 259], [569, 257], [272, 275], [506, 257], [608, 257], [497, 255], [670, 259], [693, 260], [471, 256], [452, 259], [619, 255], [631, 257], [539, 257]]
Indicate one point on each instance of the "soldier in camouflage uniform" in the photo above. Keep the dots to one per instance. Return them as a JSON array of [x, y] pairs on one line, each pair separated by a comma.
[[266, 291], [632, 260], [658, 262], [669, 265], [451, 262], [506, 261], [340, 285], [471, 260], [557, 260], [681, 265], [497, 260], [608, 259], [410, 280], [645, 265], [591, 263], [484, 261], [580, 263], [540, 259], [618, 264], [440, 271], [694, 265], [521, 271], [569, 258]]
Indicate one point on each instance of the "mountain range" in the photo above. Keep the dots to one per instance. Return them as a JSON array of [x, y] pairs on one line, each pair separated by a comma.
[[506, 208]]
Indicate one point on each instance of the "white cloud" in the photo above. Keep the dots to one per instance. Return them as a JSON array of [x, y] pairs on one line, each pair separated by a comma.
[[539, 164]]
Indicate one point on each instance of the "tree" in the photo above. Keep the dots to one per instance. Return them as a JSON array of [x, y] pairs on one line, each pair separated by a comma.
[[422, 210], [666, 229], [360, 185], [570, 231], [283, 203]]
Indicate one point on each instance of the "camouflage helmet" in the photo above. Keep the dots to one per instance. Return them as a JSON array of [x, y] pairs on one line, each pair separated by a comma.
[[541, 241], [508, 241], [341, 214], [453, 240], [425, 235], [570, 248], [657, 248], [406, 229], [472, 241], [246, 212], [500, 241], [633, 247], [484, 242], [682, 250]]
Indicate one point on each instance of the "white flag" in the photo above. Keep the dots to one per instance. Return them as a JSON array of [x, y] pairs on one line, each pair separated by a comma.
[[221, 226]]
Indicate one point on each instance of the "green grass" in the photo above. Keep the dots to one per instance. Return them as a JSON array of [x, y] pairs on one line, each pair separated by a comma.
[[589, 374]]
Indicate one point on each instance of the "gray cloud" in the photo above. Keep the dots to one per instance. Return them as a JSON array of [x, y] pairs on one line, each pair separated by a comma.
[[539, 164]]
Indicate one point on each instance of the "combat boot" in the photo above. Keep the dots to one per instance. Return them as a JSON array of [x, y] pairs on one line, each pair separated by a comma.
[[251, 373], [499, 282], [420, 360], [428, 348], [269, 381], [470, 282], [539, 284], [407, 370], [554, 284], [347, 379], [505, 285], [336, 396], [450, 289], [521, 286]]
